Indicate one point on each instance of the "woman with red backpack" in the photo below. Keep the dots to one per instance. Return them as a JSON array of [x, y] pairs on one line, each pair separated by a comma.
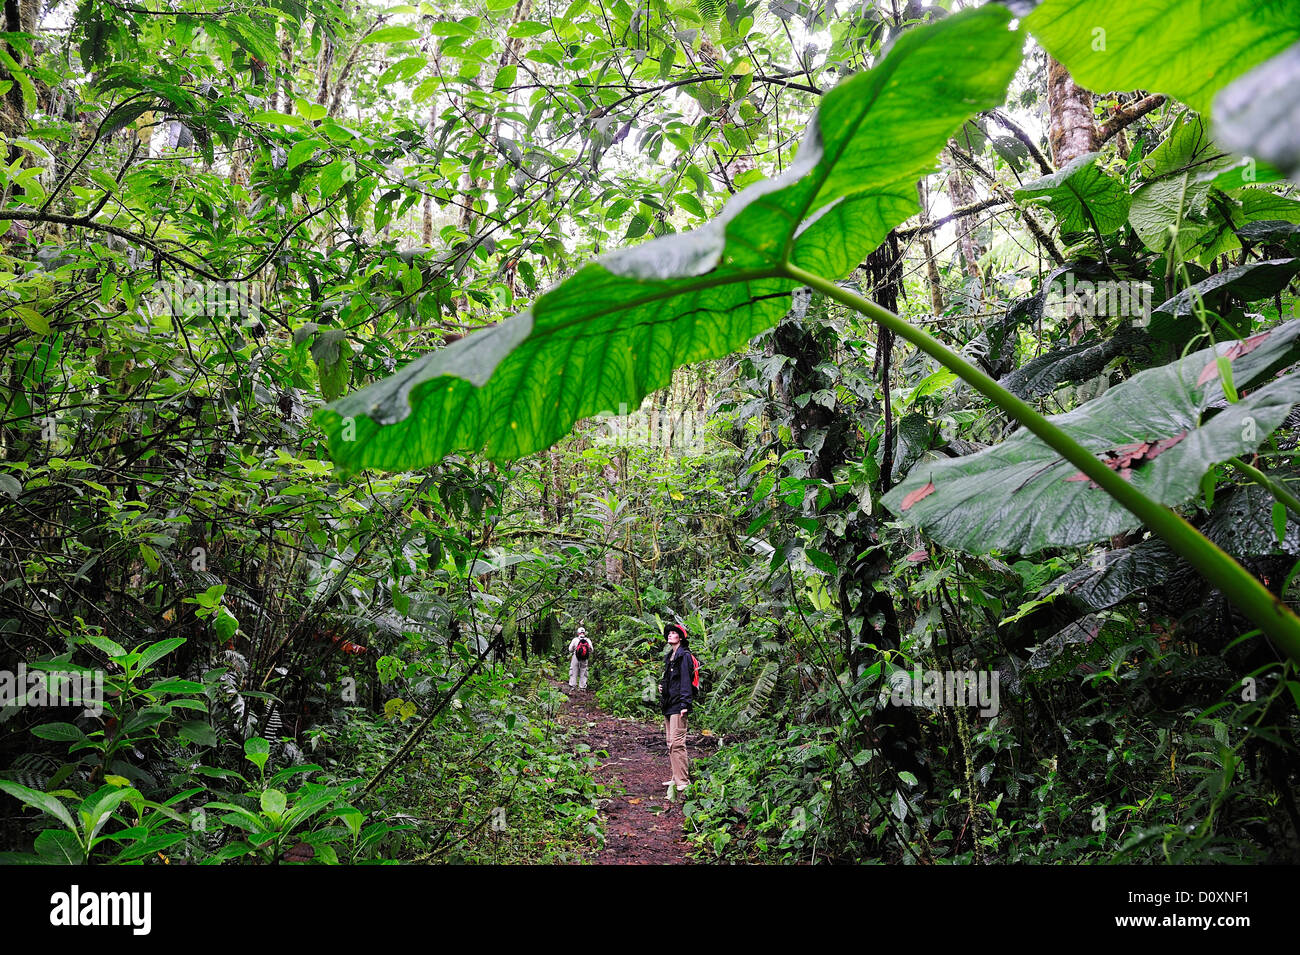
[[677, 694], [580, 651]]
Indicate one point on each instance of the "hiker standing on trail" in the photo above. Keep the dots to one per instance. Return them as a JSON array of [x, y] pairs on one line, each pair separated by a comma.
[[579, 656], [677, 694]]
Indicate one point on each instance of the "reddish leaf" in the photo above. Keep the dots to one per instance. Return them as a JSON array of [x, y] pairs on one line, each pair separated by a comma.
[[1126, 457], [1162, 446], [1232, 354], [917, 556], [918, 494], [302, 852], [1246, 347]]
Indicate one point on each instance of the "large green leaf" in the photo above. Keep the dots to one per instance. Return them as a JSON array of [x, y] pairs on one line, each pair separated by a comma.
[[1260, 112], [614, 332], [332, 353], [1175, 319], [1177, 187], [1242, 524], [1081, 196], [98, 808], [42, 801], [1245, 283], [1187, 48], [1072, 363], [1228, 213], [914, 437], [56, 847], [1115, 575], [1021, 496]]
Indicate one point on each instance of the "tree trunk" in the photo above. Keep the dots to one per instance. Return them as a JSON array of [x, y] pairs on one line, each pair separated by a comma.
[[927, 250], [613, 560], [962, 194], [324, 63], [1072, 132], [20, 16], [426, 214], [492, 133], [557, 485], [284, 83]]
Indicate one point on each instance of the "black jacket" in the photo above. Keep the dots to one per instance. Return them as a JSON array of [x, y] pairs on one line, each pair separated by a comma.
[[676, 687]]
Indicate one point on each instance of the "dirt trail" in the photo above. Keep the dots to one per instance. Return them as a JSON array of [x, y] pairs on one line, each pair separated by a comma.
[[641, 826]]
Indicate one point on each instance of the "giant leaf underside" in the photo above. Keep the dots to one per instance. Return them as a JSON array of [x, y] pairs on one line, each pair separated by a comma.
[[1190, 49], [614, 332]]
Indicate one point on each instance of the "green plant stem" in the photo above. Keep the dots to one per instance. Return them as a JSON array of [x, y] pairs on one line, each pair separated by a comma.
[[1237, 584], [1276, 488]]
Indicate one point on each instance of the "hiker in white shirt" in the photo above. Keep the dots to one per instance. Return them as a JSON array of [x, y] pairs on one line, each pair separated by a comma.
[[580, 650]]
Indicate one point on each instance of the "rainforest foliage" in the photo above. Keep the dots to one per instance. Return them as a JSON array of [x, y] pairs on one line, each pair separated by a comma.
[[355, 354]]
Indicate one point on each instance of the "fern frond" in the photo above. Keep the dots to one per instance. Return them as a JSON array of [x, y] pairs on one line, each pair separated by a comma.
[[761, 692]]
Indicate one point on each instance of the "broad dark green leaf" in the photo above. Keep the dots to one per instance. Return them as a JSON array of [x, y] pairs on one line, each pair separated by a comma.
[[198, 731], [174, 685], [1175, 319], [1227, 214], [1272, 231], [111, 647], [614, 332], [257, 751], [149, 846], [64, 732], [303, 151], [57, 847], [1021, 496], [1072, 363], [1117, 574], [332, 353], [99, 808], [914, 437], [1187, 48], [822, 561], [156, 651], [1066, 648], [1245, 523], [46, 803]]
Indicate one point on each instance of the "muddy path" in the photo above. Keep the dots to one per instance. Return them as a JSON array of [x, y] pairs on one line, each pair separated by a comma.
[[642, 827]]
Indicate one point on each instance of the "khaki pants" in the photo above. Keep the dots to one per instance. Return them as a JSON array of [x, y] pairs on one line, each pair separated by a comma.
[[578, 672], [675, 731]]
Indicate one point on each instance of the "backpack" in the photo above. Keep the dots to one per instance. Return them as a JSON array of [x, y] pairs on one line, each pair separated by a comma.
[[583, 649], [697, 687]]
